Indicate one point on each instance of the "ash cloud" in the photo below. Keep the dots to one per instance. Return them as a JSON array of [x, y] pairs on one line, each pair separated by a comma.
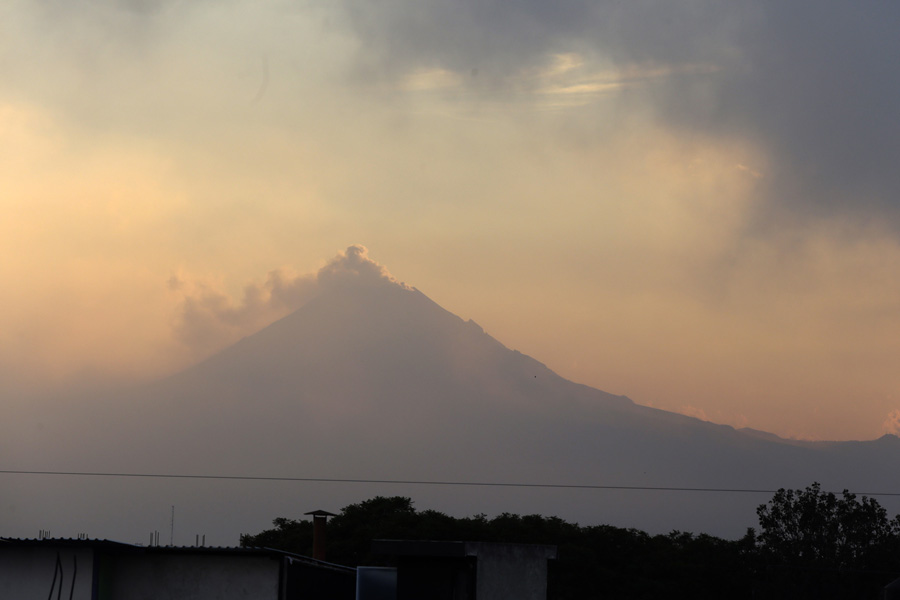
[[209, 319], [353, 267]]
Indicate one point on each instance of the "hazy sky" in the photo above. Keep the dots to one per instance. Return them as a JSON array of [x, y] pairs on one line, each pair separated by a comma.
[[692, 203]]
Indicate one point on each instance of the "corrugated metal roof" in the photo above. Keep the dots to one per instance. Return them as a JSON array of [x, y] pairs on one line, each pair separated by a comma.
[[110, 545], [67, 542]]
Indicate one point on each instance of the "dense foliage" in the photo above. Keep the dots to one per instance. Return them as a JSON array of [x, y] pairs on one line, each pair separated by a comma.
[[816, 543], [810, 544]]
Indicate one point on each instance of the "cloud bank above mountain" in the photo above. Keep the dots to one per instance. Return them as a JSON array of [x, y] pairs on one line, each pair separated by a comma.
[[814, 85]]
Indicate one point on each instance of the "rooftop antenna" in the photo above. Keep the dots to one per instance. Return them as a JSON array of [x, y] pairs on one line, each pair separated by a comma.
[[172, 529]]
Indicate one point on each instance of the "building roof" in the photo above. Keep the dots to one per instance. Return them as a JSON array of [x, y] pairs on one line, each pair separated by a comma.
[[67, 542], [109, 545]]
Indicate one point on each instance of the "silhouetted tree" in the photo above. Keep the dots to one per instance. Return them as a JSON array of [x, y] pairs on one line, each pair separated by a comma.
[[815, 543], [288, 534]]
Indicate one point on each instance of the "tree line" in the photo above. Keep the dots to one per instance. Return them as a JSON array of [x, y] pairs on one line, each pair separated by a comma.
[[809, 544]]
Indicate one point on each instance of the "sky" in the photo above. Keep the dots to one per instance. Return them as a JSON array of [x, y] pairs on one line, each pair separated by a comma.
[[693, 203]]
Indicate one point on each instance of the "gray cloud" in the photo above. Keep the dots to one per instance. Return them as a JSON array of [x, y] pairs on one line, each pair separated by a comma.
[[818, 88], [813, 83], [499, 39]]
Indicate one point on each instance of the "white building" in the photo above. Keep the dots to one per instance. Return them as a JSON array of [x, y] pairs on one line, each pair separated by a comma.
[[82, 569]]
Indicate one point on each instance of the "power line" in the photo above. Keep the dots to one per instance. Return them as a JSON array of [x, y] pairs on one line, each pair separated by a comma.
[[417, 482]]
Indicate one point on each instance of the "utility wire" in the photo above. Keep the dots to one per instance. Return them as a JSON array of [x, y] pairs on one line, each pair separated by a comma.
[[419, 482]]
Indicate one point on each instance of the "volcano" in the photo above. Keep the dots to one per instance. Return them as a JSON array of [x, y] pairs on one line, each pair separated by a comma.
[[369, 384]]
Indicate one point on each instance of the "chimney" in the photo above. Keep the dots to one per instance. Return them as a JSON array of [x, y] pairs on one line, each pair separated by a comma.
[[319, 519]]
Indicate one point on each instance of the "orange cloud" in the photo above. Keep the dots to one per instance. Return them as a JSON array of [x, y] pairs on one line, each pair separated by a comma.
[[892, 422]]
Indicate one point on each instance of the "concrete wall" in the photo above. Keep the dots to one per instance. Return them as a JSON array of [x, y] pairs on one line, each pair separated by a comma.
[[376, 583], [442, 570], [204, 577], [511, 571], [435, 578], [27, 573]]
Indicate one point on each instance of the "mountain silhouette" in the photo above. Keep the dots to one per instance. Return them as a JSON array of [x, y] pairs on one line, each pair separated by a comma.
[[371, 380]]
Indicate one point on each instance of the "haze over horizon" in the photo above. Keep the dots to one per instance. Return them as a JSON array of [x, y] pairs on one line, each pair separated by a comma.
[[692, 205], [370, 387]]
